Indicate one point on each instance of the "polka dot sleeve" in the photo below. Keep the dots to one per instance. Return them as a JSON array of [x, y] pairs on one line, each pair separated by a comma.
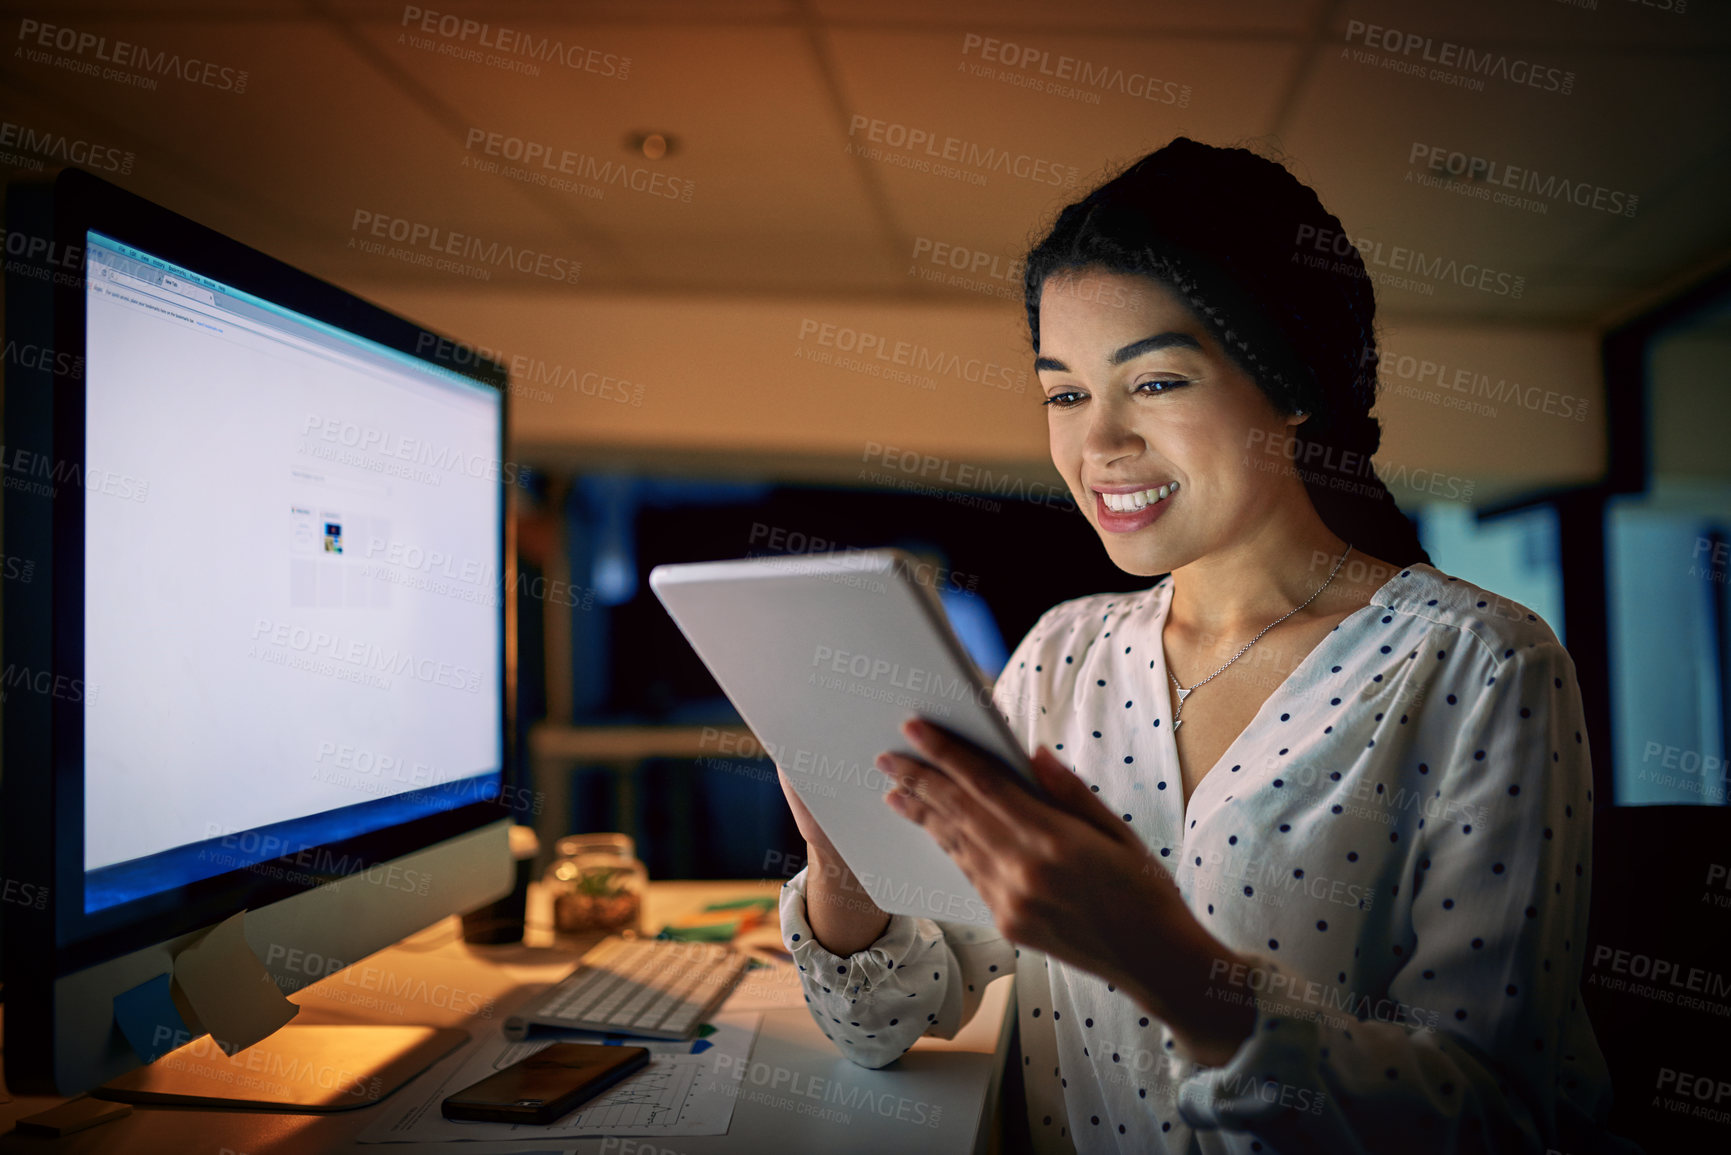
[[1476, 1031], [920, 977]]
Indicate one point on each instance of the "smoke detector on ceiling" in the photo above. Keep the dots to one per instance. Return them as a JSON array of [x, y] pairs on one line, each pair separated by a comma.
[[652, 145]]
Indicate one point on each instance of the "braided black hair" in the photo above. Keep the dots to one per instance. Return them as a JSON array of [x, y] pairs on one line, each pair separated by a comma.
[[1272, 275]]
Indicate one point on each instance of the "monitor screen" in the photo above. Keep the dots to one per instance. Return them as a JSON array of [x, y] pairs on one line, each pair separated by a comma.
[[291, 586]]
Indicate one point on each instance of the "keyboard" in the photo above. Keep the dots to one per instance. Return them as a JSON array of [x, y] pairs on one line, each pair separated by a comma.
[[655, 988]]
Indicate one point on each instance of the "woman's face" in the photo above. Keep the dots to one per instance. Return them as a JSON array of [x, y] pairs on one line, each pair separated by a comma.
[[1139, 396]]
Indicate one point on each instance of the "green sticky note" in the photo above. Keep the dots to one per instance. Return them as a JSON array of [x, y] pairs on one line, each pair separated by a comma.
[[765, 903], [713, 932]]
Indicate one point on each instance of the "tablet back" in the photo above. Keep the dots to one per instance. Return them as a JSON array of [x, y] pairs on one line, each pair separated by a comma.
[[825, 657]]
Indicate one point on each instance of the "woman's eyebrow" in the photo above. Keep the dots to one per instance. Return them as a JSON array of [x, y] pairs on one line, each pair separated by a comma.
[[1134, 349], [1150, 344]]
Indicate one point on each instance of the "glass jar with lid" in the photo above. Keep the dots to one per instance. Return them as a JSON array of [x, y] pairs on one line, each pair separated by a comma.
[[597, 884]]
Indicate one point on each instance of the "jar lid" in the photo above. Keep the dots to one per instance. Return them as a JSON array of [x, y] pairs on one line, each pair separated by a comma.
[[605, 842]]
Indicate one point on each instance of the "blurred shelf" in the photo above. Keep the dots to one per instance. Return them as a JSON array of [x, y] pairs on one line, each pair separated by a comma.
[[554, 750], [635, 743]]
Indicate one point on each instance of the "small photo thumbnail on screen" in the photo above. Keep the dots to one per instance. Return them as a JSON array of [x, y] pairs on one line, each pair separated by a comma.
[[333, 537]]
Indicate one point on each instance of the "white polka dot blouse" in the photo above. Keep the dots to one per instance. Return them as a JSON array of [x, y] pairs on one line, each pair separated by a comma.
[[1399, 842]]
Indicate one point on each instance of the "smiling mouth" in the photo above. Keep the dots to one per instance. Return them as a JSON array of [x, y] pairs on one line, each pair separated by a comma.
[[1141, 499]]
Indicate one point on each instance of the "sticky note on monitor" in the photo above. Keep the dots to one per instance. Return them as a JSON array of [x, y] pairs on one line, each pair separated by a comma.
[[230, 990]]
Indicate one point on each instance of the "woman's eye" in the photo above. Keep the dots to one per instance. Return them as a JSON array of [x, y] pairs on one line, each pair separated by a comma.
[[1065, 399]]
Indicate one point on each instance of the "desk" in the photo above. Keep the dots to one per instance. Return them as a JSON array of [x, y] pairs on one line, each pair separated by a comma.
[[961, 1076]]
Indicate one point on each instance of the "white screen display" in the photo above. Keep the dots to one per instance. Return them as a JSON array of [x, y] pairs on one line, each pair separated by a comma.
[[291, 586]]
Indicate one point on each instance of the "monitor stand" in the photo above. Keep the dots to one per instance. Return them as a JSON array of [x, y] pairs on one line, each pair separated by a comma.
[[297, 1070]]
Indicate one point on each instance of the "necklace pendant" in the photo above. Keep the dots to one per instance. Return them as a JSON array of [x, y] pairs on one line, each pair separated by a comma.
[[1177, 722]]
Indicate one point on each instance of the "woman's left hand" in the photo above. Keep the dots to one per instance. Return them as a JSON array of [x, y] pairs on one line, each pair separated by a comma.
[[1070, 878]]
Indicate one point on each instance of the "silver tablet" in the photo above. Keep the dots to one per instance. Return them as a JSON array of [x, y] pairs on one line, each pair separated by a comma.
[[825, 657]]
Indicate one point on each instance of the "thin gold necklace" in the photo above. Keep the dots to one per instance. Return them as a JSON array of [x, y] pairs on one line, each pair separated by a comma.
[[1184, 693]]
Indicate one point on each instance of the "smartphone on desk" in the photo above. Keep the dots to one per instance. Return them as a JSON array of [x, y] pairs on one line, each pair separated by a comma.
[[546, 1085]]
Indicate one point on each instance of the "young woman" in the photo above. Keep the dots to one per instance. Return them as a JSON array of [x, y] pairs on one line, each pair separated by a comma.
[[1314, 873]]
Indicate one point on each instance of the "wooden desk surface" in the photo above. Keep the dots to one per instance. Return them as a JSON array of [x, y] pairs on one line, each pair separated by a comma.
[[434, 978]]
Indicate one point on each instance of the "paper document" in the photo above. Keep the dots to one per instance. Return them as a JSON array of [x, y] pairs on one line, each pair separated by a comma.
[[770, 986], [688, 1088]]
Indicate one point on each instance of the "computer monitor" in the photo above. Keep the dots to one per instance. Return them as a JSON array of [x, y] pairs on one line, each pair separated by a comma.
[[261, 662]]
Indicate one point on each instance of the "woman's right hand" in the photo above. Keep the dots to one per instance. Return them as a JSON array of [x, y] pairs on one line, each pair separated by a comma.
[[843, 917]]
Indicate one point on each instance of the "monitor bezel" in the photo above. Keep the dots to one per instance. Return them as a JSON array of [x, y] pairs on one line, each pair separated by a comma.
[[81, 204]]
